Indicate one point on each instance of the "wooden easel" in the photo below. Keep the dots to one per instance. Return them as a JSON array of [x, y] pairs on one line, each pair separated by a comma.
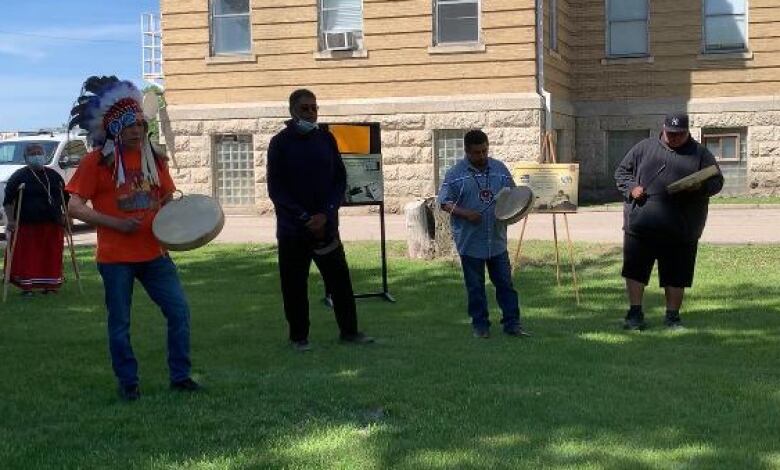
[[549, 156]]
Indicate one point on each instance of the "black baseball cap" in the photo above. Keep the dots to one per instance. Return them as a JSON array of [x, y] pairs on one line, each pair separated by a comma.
[[676, 122]]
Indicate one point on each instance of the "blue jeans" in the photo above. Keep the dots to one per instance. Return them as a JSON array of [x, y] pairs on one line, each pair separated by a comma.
[[161, 282], [500, 273]]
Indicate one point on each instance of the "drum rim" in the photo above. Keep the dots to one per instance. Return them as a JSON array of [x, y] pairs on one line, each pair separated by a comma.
[[200, 240]]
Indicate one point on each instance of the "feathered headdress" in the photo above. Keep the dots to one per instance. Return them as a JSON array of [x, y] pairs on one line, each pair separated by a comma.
[[107, 105]]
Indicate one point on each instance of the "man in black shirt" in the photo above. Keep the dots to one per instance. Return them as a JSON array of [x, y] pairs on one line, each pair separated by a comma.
[[662, 226], [306, 183]]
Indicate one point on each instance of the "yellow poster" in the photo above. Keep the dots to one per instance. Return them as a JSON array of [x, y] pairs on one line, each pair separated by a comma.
[[554, 184]]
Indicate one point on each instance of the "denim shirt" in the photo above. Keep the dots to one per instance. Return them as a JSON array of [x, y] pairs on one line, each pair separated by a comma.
[[462, 187]]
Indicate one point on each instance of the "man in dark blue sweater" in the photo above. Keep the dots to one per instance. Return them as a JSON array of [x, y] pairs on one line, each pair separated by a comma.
[[659, 225], [306, 183]]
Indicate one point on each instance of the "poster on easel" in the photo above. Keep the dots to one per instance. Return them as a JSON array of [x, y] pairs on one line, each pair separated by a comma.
[[554, 185], [360, 148]]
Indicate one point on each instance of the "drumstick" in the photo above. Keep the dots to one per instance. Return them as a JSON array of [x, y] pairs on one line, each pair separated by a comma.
[[69, 238], [10, 260]]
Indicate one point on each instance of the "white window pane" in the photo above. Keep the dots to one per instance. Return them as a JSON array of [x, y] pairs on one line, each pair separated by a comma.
[[724, 7], [623, 10], [231, 7], [729, 147], [235, 177], [231, 35], [725, 32], [628, 38], [458, 22], [342, 19]]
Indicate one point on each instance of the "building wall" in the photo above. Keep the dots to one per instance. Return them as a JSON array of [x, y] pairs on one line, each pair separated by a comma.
[[399, 61], [558, 76], [512, 122], [676, 68], [758, 116]]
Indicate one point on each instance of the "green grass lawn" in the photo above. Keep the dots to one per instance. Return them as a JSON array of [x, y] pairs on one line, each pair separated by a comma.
[[580, 394]]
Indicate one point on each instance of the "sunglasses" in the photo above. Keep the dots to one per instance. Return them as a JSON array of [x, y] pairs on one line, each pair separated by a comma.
[[312, 108]]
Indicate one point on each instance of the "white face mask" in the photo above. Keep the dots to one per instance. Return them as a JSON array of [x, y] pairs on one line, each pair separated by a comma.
[[36, 160]]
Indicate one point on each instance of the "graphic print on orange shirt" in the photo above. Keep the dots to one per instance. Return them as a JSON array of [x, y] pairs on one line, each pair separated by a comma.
[[137, 194]]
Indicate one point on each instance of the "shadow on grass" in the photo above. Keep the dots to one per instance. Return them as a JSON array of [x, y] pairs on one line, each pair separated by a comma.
[[581, 392]]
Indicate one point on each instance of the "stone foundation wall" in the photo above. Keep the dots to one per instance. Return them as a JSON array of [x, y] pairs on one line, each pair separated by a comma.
[[407, 144], [760, 117]]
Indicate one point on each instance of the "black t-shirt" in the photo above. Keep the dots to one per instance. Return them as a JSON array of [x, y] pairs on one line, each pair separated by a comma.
[[39, 187]]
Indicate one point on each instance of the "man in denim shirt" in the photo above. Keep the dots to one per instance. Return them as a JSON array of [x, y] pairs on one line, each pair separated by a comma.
[[468, 193]]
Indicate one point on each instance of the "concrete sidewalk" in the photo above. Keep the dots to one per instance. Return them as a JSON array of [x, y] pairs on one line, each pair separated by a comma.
[[724, 226]]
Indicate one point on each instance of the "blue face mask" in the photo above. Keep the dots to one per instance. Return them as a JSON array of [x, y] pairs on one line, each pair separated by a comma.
[[305, 126], [36, 160]]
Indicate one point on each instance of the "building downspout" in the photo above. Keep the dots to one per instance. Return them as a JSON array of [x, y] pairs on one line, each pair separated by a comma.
[[544, 94]]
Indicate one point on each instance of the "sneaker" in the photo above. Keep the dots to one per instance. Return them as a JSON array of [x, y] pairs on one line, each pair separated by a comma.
[[301, 346], [518, 331], [357, 338], [634, 323], [186, 385], [129, 392], [673, 322], [482, 333]]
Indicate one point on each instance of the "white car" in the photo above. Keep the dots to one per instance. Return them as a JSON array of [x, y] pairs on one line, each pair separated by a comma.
[[63, 152]]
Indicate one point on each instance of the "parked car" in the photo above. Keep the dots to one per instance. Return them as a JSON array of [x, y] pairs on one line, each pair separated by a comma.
[[64, 154]]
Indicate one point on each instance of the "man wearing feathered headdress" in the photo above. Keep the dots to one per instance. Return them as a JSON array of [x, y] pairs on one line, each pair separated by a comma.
[[127, 182]]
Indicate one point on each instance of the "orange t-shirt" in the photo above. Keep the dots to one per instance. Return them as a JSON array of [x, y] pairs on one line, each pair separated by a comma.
[[134, 198]]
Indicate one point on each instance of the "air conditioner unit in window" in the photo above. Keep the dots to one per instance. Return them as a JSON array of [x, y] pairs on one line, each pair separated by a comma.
[[342, 41]]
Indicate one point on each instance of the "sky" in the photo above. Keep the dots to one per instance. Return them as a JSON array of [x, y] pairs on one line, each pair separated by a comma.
[[49, 47]]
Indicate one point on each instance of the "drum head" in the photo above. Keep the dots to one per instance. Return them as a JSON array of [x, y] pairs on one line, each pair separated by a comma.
[[189, 222], [512, 204], [692, 180]]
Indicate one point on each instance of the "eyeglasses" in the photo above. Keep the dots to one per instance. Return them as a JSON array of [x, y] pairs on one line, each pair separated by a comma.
[[312, 108]]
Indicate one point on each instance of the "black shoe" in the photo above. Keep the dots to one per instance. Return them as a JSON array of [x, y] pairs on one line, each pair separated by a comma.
[[482, 333], [517, 331], [186, 385], [636, 323], [129, 392], [301, 346], [357, 338], [673, 322]]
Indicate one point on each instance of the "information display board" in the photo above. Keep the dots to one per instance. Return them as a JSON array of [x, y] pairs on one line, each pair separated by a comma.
[[555, 185]]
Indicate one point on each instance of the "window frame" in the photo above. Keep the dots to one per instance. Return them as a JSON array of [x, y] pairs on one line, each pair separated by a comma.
[[746, 46], [607, 30], [720, 137], [213, 15], [437, 42]]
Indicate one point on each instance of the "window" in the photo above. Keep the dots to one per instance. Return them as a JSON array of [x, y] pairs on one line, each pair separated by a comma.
[[230, 27], [72, 153], [725, 25], [553, 26], [235, 170], [456, 21], [341, 24], [448, 150], [730, 149], [13, 152], [725, 147], [627, 28], [618, 145]]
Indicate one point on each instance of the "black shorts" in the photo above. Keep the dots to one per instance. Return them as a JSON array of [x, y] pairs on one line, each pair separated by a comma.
[[676, 260]]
